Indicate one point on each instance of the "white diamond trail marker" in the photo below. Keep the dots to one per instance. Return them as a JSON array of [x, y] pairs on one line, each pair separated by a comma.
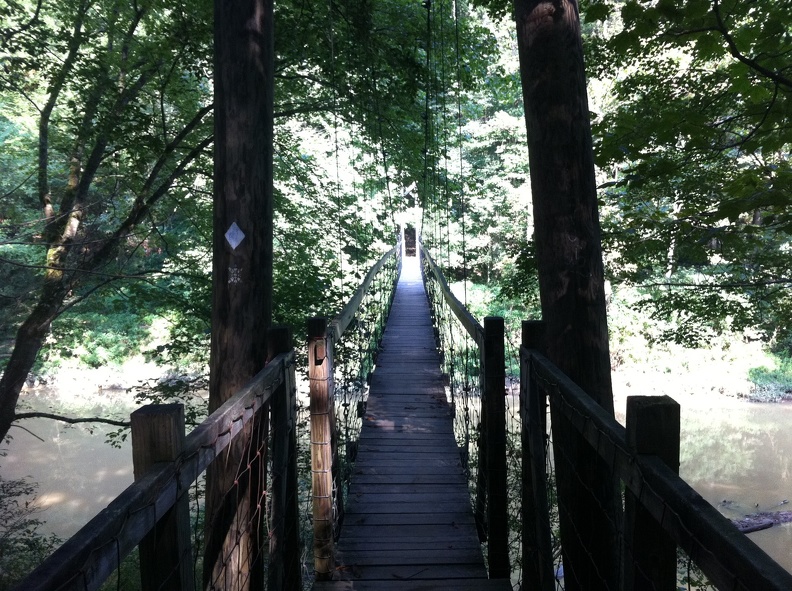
[[234, 236]]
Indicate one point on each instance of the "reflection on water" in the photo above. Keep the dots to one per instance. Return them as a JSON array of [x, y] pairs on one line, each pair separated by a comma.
[[739, 460], [77, 472], [737, 455]]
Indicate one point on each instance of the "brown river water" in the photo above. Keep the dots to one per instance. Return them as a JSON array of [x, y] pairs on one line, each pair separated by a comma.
[[740, 460], [77, 472], [736, 454]]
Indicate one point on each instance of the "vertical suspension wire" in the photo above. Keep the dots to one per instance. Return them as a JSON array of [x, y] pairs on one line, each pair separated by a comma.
[[462, 196], [383, 151], [427, 4], [378, 148], [434, 143], [339, 217], [345, 363], [446, 189], [467, 386], [444, 132]]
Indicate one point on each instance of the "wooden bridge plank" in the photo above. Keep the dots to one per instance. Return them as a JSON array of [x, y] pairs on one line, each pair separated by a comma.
[[449, 532], [406, 479], [456, 585], [428, 556], [409, 544], [456, 519], [389, 487], [409, 523], [412, 571]]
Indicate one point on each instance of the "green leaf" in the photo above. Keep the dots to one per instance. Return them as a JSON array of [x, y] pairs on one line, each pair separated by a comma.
[[597, 12]]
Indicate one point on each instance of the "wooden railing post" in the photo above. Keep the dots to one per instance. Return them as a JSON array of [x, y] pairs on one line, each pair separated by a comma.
[[482, 468], [537, 553], [650, 559], [284, 547], [495, 401], [320, 376], [166, 552]]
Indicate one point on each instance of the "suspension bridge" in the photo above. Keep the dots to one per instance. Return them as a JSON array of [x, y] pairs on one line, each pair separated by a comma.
[[408, 519], [424, 473]]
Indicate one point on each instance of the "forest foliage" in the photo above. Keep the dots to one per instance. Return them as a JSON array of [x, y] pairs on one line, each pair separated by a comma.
[[106, 171]]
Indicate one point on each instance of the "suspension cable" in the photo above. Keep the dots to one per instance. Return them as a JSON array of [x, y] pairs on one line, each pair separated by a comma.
[[339, 216], [461, 161], [444, 131], [427, 4]]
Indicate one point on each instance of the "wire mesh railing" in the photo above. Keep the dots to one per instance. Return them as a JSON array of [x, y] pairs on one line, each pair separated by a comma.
[[473, 361], [156, 534], [661, 514], [661, 527], [341, 357], [157, 524]]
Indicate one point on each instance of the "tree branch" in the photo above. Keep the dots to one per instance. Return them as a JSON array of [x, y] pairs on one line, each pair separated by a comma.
[[304, 109], [56, 86], [142, 206], [70, 420], [19, 89], [141, 276], [174, 144], [742, 140], [720, 285], [735, 52], [22, 28], [19, 186], [29, 432]]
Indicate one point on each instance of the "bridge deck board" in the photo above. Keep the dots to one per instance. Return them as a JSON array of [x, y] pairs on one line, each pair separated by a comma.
[[409, 524]]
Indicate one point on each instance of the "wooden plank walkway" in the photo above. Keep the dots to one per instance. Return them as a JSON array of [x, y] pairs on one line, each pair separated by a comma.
[[409, 524]]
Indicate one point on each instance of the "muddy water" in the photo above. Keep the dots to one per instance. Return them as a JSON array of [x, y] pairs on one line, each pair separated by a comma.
[[738, 456], [77, 472]]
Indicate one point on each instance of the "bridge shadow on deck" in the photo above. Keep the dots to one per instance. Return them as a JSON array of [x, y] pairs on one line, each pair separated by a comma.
[[409, 523]]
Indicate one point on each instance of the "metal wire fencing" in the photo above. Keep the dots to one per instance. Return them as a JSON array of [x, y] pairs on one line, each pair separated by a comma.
[[666, 535], [341, 357], [473, 361], [159, 522]]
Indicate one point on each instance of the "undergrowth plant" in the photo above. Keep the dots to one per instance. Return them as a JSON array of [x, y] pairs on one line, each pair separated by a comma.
[[22, 545]]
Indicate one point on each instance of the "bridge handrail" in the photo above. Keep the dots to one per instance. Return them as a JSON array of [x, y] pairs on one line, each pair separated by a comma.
[[471, 325], [340, 323], [89, 557], [330, 456], [725, 555], [487, 451]]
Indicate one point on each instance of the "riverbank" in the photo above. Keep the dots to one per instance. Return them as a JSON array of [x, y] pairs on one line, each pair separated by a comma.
[[723, 372]]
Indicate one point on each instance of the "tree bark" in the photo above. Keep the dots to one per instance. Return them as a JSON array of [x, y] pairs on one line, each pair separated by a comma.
[[241, 272], [571, 281], [29, 339]]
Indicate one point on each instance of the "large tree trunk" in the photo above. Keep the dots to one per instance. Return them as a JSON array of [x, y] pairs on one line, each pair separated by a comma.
[[29, 339], [571, 282], [241, 273]]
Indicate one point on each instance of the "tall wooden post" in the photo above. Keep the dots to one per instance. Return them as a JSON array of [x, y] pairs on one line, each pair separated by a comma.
[[482, 468], [537, 554], [571, 282], [166, 561], [241, 266], [650, 555], [320, 376], [495, 401], [284, 539]]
